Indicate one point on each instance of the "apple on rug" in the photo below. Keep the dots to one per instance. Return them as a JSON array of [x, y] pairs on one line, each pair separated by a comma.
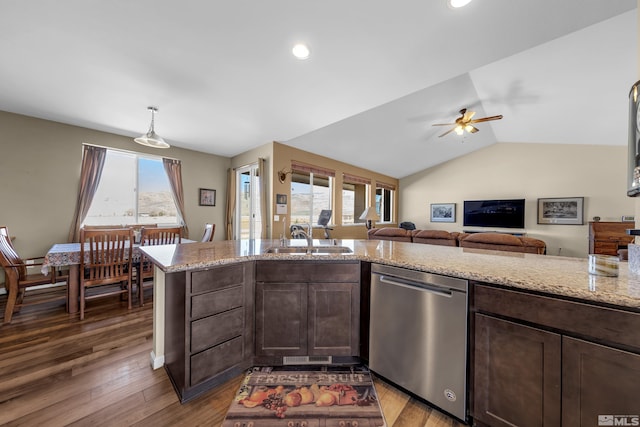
[[305, 396]]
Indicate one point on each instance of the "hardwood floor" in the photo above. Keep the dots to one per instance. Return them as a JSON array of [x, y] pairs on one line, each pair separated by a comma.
[[56, 370]]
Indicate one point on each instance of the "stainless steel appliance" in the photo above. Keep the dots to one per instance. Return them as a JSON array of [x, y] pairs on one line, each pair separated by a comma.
[[418, 337]]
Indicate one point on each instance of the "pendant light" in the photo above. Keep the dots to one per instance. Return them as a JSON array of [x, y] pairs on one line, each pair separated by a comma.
[[151, 138]]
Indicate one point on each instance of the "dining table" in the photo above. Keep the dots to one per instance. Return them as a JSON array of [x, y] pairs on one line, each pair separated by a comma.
[[68, 255]]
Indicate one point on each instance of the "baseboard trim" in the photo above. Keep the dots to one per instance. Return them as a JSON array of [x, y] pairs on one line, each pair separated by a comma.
[[156, 362]]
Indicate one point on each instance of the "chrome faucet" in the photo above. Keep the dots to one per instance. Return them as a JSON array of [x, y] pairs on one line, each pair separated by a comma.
[[297, 231], [310, 236]]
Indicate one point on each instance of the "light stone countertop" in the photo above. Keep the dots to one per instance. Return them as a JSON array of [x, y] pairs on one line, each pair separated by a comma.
[[562, 276]]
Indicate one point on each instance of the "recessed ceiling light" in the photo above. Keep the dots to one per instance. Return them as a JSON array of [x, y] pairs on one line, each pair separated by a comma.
[[458, 3], [301, 51]]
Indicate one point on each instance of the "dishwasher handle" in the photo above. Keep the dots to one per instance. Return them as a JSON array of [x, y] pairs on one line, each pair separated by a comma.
[[426, 287]]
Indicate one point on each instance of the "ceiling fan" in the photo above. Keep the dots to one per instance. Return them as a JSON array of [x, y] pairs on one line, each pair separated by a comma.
[[466, 122]]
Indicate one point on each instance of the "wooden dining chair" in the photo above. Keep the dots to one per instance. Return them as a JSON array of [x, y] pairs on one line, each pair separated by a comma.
[[102, 227], [18, 278], [105, 259], [153, 236], [4, 231], [137, 230], [209, 231]]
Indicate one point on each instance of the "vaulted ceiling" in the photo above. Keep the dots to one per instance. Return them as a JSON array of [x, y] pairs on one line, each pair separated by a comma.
[[380, 73]]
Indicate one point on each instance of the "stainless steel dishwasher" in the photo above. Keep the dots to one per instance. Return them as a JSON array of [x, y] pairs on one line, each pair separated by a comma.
[[418, 336]]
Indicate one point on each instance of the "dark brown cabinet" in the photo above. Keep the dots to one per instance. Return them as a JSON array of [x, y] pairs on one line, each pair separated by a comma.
[[307, 308], [541, 360], [517, 374], [208, 326], [281, 319], [598, 381]]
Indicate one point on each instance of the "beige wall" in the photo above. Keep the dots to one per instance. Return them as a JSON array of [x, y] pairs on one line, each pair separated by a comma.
[[529, 171], [282, 157], [40, 168]]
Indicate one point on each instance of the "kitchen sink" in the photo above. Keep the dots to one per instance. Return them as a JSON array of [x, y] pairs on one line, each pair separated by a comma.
[[312, 250]]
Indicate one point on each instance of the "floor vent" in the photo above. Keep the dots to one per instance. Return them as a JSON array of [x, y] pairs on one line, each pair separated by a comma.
[[306, 360]]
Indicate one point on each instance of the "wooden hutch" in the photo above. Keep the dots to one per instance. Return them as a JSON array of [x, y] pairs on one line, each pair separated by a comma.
[[607, 237]]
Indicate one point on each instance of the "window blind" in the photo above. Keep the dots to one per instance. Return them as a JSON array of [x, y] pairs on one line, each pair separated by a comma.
[[353, 179], [385, 186], [316, 170]]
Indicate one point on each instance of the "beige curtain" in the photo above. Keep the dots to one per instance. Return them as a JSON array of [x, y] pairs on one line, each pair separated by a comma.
[[231, 201], [173, 168], [92, 165], [263, 196]]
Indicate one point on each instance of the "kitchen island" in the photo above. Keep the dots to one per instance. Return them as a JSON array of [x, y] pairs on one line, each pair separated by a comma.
[[537, 294]]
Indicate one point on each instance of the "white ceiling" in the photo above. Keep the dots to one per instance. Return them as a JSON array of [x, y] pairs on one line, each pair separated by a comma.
[[380, 73]]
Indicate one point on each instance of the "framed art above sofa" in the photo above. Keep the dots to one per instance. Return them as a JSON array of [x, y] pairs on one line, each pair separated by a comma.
[[443, 212], [566, 211]]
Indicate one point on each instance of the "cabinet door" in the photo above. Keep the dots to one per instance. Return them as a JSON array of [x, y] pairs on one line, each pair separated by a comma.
[[281, 319], [598, 381], [334, 320], [516, 374]]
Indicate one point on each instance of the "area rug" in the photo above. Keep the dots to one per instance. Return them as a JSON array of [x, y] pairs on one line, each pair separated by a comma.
[[306, 397]]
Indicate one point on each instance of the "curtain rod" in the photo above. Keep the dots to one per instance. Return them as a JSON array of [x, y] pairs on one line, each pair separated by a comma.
[[128, 151]]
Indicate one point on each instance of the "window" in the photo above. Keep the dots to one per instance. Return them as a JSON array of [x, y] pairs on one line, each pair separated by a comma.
[[133, 189], [310, 193], [249, 223], [355, 198], [385, 195]]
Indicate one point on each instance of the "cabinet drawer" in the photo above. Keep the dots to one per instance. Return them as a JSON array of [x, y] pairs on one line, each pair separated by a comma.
[[217, 278], [606, 248], [213, 330], [574, 317], [307, 271], [216, 359], [216, 302]]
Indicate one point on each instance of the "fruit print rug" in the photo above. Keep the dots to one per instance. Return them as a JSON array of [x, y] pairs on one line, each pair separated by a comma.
[[305, 397]]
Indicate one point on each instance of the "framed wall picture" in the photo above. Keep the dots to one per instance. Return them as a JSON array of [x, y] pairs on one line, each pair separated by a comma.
[[443, 212], [559, 210], [207, 197]]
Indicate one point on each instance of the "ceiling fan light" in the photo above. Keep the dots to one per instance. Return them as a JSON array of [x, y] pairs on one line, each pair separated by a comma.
[[468, 128], [458, 3], [151, 138], [459, 130]]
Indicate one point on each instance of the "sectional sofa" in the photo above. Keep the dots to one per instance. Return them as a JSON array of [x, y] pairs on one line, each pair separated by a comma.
[[492, 241]]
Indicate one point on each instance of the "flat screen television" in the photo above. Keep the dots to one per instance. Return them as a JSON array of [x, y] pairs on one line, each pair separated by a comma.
[[494, 213]]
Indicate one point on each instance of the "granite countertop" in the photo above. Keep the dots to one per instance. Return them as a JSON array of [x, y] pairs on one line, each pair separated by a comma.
[[562, 276]]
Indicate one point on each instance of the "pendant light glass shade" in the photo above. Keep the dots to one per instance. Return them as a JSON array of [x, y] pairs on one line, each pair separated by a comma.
[[151, 138]]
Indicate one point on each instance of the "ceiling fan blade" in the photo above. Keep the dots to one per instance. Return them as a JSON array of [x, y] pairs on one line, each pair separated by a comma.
[[447, 132], [486, 119], [443, 124], [468, 115]]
